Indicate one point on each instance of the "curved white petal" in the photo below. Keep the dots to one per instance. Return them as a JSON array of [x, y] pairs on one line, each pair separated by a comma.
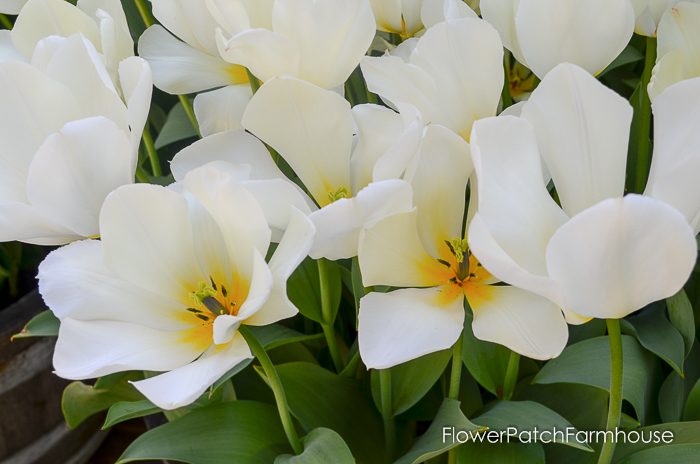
[[668, 70], [188, 20], [20, 221], [522, 321], [582, 130], [501, 14], [405, 324], [387, 14], [621, 255], [11, 7], [182, 386], [115, 37], [261, 283], [648, 13], [676, 161], [222, 109], [589, 33], [310, 127], [437, 11], [339, 224], [136, 82], [8, 51]]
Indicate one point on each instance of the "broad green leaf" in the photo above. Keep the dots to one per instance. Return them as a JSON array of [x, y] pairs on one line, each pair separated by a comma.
[[588, 363], [319, 398], [691, 412], [44, 324], [81, 401], [177, 127], [303, 288], [241, 432], [584, 406], [658, 335], [628, 56], [502, 453], [525, 416], [487, 362], [411, 380], [125, 410], [231, 372], [275, 335], [680, 312], [683, 433], [669, 454], [321, 446], [672, 398], [438, 438]]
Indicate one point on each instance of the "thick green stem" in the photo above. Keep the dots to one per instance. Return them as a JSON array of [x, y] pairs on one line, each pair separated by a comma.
[[511, 378], [5, 21], [189, 111], [387, 413], [455, 380], [644, 148], [327, 315], [276, 386], [615, 404], [152, 152], [145, 13]]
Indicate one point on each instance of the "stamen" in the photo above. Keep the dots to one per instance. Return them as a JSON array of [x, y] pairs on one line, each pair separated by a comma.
[[213, 305], [342, 192]]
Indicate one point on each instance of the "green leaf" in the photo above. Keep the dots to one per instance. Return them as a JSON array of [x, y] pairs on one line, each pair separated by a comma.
[[672, 398], [449, 420], [669, 454], [81, 401], [628, 56], [683, 433], [303, 290], [44, 324], [319, 398], [655, 333], [588, 363], [411, 380], [321, 446], [241, 432], [125, 410], [526, 416], [691, 412], [680, 312], [485, 361], [177, 127], [275, 335], [502, 453]]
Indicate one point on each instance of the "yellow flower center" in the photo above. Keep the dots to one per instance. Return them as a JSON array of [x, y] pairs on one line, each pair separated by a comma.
[[211, 300], [342, 192]]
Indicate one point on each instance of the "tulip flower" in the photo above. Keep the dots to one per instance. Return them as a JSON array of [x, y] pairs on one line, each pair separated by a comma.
[[445, 94], [425, 254], [678, 53], [166, 289], [599, 255], [408, 17], [649, 14], [543, 33], [70, 138]]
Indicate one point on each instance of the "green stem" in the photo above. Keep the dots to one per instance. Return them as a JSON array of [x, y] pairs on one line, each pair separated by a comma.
[[152, 152], [5, 21], [455, 380], [253, 81], [387, 413], [189, 111], [505, 95], [326, 316], [511, 378], [145, 13], [615, 404], [644, 147], [141, 175], [276, 386]]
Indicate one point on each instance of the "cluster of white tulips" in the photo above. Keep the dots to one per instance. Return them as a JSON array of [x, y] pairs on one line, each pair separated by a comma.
[[449, 199]]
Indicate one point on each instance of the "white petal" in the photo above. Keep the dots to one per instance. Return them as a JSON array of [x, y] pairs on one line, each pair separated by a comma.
[[582, 129], [188, 20], [147, 238], [115, 37], [137, 86], [676, 161], [621, 255], [222, 109], [292, 250], [11, 7], [387, 14], [261, 282], [405, 324], [310, 127], [88, 349], [648, 13], [589, 33], [21, 222], [185, 384], [331, 36], [339, 224], [437, 11], [391, 253], [8, 51], [501, 14], [450, 51], [76, 168], [179, 68], [522, 321], [668, 70]]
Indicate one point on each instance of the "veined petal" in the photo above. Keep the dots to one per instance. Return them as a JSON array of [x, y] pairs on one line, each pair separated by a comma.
[[182, 386], [331, 36], [582, 130], [522, 321], [676, 160], [179, 68], [405, 324], [89, 349], [391, 253], [222, 109], [311, 128], [136, 82], [339, 224], [589, 33], [621, 255], [76, 168]]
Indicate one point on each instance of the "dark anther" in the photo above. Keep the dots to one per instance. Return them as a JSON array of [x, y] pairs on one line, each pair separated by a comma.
[[213, 284], [194, 310], [224, 292], [443, 262], [203, 317], [213, 305], [449, 245]]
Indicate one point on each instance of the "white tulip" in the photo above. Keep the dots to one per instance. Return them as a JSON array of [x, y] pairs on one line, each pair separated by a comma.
[[649, 14], [408, 17], [11, 6], [543, 33], [678, 52], [167, 287], [423, 252], [600, 254], [70, 137]]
